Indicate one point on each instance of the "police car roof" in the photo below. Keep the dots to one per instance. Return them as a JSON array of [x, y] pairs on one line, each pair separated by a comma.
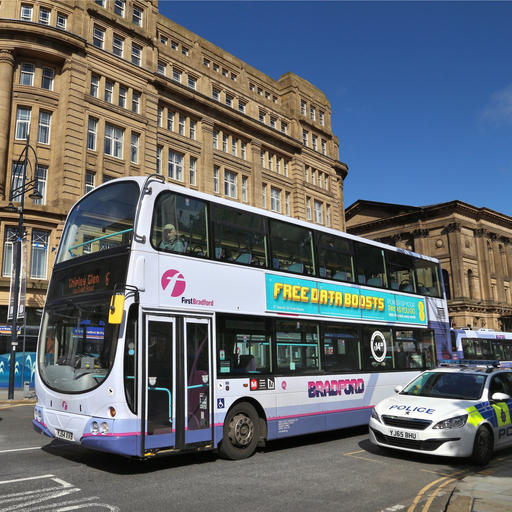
[[475, 366]]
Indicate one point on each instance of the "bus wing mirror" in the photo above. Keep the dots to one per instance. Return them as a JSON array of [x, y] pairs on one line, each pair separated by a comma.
[[115, 313]]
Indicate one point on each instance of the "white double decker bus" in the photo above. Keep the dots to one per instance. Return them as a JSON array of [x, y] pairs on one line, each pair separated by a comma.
[[176, 320]]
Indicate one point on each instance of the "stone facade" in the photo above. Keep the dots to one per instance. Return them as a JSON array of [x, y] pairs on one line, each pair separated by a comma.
[[108, 89], [474, 246]]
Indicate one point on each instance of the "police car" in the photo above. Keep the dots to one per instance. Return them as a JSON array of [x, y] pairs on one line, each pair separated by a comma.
[[459, 410]]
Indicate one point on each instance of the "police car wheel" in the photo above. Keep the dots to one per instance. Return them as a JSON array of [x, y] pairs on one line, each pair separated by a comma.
[[482, 448], [241, 432]]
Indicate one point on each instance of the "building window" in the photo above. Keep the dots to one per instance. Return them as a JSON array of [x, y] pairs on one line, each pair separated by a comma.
[[308, 208], [216, 178], [184, 51], [324, 147], [229, 100], [159, 116], [98, 37], [119, 7], [286, 168], [170, 120], [273, 122], [216, 67], [43, 132], [224, 143], [109, 91], [16, 181], [264, 196], [302, 107], [322, 118], [260, 91], [161, 68], [44, 16], [163, 39], [206, 63], [92, 127], [117, 45], [278, 165], [27, 74], [241, 106], [192, 130], [176, 75], [101, 3], [233, 77], [192, 82], [10, 238], [136, 54], [314, 140], [261, 116], [312, 112], [319, 217], [89, 181], [192, 170], [306, 174], [114, 140], [284, 127], [252, 87], [243, 150], [135, 101], [181, 124], [230, 184], [328, 215], [22, 122], [26, 12], [123, 91], [159, 152], [48, 77], [42, 178], [234, 146], [305, 137], [275, 200], [175, 166], [244, 189], [224, 72], [215, 139], [95, 85], [39, 254], [215, 94], [271, 161], [134, 148], [287, 203], [262, 158], [137, 15], [62, 21]]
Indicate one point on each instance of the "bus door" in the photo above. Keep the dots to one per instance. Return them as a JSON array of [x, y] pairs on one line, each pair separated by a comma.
[[178, 391], [160, 340]]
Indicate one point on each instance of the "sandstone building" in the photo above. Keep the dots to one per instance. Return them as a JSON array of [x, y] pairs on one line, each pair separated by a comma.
[[110, 88], [474, 246]]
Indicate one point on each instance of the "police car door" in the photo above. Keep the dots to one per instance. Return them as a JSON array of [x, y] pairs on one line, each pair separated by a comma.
[[501, 383]]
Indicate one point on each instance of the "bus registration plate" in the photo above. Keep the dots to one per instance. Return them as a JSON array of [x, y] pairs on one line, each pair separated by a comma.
[[401, 434], [64, 434]]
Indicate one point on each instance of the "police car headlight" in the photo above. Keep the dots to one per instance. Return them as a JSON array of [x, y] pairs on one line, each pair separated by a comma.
[[456, 422], [375, 416]]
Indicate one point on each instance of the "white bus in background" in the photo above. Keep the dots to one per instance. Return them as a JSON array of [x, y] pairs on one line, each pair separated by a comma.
[[177, 320], [481, 344]]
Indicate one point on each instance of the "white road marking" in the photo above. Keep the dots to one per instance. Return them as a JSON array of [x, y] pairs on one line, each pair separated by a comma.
[[20, 450]]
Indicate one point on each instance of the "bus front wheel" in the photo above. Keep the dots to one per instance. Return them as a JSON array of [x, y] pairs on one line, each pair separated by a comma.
[[241, 432]]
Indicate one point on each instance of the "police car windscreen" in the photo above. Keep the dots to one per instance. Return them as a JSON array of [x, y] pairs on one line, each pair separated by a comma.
[[464, 386]]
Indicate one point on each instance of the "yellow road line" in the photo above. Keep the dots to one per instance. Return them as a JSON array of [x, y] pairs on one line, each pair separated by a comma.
[[434, 494]]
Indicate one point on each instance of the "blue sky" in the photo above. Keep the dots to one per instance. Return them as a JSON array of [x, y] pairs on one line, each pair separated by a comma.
[[421, 92]]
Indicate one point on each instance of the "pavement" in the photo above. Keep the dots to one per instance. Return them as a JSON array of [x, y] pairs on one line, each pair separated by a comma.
[[488, 489]]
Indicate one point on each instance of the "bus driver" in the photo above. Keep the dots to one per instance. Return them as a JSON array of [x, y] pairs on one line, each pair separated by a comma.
[[170, 240]]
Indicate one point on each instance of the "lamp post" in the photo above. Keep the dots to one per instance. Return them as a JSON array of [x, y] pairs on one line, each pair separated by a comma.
[[18, 193]]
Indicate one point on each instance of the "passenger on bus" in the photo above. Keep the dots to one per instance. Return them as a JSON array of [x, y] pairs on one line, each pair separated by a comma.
[[171, 240]]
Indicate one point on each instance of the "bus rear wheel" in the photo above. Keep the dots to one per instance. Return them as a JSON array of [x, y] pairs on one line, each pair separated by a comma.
[[241, 432]]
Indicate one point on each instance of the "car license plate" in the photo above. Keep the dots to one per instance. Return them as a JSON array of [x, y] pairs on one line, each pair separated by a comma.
[[402, 434], [64, 434]]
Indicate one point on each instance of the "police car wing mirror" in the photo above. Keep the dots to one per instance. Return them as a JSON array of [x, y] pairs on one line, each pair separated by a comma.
[[398, 388], [116, 309], [500, 397]]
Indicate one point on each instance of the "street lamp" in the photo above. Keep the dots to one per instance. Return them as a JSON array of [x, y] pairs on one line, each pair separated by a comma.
[[18, 194]]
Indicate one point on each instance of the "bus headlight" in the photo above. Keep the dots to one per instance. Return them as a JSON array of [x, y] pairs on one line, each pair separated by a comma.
[[456, 422], [104, 427], [375, 416], [95, 427]]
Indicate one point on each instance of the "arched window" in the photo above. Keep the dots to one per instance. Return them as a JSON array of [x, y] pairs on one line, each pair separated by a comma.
[[470, 284], [446, 281]]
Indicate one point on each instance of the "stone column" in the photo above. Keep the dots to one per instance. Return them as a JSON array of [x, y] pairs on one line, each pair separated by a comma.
[[6, 79], [499, 269], [419, 236], [256, 178], [455, 248], [484, 269], [205, 170], [508, 255]]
